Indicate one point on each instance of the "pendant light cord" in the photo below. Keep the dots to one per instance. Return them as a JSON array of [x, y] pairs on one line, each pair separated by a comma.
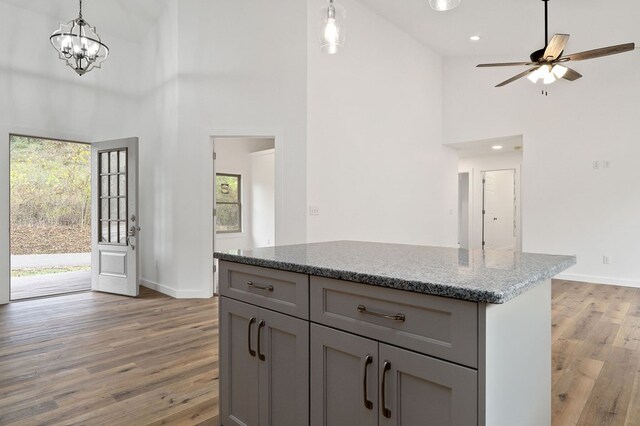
[[80, 15]]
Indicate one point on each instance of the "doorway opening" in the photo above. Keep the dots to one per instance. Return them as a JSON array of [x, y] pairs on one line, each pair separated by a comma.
[[50, 216], [489, 193], [244, 194]]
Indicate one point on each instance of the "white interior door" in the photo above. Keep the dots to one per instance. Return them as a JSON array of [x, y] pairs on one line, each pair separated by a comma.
[[499, 210], [114, 216]]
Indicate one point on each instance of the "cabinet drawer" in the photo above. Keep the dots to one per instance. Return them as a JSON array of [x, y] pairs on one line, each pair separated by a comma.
[[281, 291], [438, 326]]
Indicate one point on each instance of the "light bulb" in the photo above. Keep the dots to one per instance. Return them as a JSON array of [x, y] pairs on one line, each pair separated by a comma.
[[331, 34], [443, 5], [534, 76], [550, 78], [544, 71], [559, 71]]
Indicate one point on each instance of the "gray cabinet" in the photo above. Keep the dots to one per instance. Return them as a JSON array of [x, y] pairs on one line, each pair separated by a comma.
[[358, 381], [264, 359]]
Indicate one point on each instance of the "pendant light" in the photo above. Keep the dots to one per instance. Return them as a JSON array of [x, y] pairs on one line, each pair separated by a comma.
[[443, 5], [332, 29], [79, 45]]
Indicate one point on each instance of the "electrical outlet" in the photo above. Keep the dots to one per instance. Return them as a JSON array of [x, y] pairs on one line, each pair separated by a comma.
[[606, 260], [314, 211], [596, 165], [606, 164]]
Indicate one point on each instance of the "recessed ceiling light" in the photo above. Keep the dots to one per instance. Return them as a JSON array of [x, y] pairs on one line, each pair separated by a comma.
[[497, 147], [474, 38]]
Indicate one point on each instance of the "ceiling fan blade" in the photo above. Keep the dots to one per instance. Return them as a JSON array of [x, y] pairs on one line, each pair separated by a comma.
[[505, 64], [571, 75], [517, 77], [555, 46], [598, 53]]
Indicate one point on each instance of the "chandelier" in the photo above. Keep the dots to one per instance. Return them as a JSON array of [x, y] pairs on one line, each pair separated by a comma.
[[79, 45]]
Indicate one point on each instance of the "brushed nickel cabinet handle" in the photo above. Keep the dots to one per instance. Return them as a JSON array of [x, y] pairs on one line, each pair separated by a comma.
[[397, 317], [261, 356], [260, 287], [251, 322], [385, 411], [367, 360]]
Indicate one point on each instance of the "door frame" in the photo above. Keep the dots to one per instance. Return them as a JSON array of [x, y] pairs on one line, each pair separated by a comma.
[[6, 131], [516, 211], [250, 133]]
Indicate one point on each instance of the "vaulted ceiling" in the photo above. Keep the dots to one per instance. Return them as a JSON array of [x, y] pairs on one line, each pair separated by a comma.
[[513, 27], [126, 19]]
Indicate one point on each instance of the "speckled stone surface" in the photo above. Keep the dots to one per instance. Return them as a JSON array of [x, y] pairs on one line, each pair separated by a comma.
[[489, 276]]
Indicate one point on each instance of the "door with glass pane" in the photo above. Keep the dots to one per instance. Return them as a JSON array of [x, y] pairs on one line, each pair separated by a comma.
[[114, 254]]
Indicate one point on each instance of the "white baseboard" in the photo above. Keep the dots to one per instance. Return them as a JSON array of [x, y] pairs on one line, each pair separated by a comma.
[[176, 294], [598, 280]]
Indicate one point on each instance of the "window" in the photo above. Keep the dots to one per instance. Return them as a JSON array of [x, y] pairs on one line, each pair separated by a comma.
[[228, 203], [113, 197]]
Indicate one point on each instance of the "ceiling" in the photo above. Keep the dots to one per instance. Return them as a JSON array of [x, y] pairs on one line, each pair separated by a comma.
[[126, 19], [513, 27], [469, 149]]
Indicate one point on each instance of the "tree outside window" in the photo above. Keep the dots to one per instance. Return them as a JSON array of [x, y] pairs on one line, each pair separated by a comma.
[[228, 203]]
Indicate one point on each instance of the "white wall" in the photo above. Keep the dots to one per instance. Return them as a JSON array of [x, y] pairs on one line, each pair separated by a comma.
[[377, 169], [41, 96], [568, 207], [241, 71], [464, 206], [234, 156], [263, 200], [475, 165]]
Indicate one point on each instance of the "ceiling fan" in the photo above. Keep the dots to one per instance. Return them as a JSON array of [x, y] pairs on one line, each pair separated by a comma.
[[547, 63]]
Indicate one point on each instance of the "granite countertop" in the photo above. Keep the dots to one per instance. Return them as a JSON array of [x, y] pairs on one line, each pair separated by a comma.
[[490, 276]]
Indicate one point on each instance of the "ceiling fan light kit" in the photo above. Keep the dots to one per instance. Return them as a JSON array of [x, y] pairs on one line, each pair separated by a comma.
[[547, 64]]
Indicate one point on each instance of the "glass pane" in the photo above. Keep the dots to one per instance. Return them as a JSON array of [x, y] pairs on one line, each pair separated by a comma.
[[114, 232], [104, 186], [123, 209], [123, 184], [113, 162], [123, 161], [104, 162], [228, 218], [104, 232], [227, 189], [114, 208], [123, 232], [104, 213], [114, 186]]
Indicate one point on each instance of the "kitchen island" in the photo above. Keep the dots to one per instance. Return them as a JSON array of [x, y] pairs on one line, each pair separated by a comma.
[[357, 333]]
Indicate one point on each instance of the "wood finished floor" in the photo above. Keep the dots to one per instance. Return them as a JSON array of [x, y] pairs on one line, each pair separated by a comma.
[[97, 359], [596, 354]]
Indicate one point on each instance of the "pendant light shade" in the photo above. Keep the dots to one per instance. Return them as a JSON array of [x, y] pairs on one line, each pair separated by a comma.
[[332, 28], [79, 45], [442, 5]]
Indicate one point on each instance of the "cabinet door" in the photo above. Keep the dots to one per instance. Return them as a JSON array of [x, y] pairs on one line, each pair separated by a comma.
[[238, 363], [344, 378], [283, 351], [420, 390]]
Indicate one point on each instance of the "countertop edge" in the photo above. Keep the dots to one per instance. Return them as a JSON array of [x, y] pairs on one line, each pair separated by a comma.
[[442, 290]]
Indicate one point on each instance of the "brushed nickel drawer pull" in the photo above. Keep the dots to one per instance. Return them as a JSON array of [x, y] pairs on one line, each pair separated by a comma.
[[367, 360], [397, 317], [260, 287]]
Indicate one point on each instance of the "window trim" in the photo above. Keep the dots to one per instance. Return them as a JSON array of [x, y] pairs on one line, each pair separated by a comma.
[[238, 203]]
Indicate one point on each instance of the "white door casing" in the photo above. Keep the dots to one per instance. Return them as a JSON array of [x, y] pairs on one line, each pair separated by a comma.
[[114, 217]]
